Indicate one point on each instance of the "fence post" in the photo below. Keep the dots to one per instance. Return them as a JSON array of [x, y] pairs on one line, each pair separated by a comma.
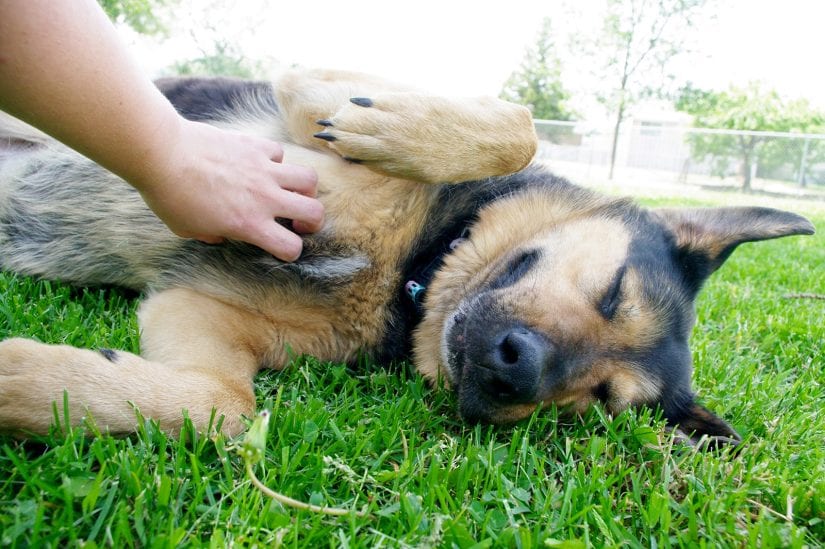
[[803, 162]]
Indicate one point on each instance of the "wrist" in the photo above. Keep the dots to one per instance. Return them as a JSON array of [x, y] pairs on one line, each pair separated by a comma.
[[153, 165]]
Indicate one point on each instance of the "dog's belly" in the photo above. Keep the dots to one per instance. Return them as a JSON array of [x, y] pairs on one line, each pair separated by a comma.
[[331, 324]]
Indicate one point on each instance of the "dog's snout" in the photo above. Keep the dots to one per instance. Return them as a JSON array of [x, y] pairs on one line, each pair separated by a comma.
[[513, 363]]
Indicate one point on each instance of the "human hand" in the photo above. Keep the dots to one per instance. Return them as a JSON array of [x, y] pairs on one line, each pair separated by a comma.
[[215, 184]]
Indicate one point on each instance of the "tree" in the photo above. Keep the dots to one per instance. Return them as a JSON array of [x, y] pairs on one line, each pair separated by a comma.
[[750, 109], [639, 39], [141, 15], [222, 59], [219, 55], [219, 38], [537, 83]]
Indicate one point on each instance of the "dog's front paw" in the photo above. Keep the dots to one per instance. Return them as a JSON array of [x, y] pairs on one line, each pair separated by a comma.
[[432, 139], [370, 131], [21, 375]]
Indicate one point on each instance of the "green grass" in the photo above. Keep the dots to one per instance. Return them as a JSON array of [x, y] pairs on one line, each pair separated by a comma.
[[377, 439]]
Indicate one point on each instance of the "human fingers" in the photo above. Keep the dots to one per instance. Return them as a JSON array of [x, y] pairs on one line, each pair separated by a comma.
[[307, 212], [303, 228], [296, 178], [277, 240], [275, 151], [207, 239]]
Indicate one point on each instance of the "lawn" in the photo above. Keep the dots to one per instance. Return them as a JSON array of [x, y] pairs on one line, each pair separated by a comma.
[[376, 439]]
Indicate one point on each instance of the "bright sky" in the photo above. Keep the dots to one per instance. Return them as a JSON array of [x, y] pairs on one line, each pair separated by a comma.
[[462, 47]]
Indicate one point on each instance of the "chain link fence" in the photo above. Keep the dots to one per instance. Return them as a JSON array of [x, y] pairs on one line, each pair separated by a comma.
[[781, 163]]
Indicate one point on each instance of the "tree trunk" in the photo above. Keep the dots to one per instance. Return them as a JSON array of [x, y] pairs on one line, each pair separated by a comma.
[[615, 145]]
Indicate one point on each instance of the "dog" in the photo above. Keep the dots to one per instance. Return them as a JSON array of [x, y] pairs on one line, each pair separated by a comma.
[[443, 244]]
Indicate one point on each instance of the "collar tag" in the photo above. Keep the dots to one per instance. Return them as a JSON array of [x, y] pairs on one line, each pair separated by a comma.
[[414, 290]]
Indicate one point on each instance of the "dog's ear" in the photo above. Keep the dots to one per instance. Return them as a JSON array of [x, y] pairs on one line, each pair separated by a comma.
[[698, 426], [705, 237]]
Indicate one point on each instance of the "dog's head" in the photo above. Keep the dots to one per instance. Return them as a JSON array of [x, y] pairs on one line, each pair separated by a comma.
[[572, 298]]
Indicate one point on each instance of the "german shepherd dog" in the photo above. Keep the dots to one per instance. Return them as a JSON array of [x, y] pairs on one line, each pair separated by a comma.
[[510, 285]]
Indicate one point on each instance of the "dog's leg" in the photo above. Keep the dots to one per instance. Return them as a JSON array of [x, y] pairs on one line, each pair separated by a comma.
[[198, 354], [405, 134]]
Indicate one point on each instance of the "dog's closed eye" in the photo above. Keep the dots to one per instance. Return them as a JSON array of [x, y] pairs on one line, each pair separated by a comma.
[[612, 298], [515, 270]]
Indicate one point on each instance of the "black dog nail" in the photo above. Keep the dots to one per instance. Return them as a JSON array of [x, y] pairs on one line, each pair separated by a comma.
[[324, 122], [325, 136], [352, 160], [362, 101]]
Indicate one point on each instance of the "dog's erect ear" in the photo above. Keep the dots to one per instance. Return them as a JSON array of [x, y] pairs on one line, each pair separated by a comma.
[[699, 426], [705, 237]]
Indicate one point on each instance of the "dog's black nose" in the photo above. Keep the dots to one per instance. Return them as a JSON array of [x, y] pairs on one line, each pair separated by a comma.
[[513, 363]]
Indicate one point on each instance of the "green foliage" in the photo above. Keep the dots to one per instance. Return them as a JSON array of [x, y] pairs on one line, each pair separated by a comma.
[[141, 15], [751, 108], [754, 109], [377, 437], [537, 83], [224, 61]]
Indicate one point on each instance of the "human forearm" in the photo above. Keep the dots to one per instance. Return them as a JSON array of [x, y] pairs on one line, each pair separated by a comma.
[[64, 70]]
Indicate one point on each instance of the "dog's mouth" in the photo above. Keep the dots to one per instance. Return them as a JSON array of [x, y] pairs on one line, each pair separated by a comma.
[[500, 368], [453, 347]]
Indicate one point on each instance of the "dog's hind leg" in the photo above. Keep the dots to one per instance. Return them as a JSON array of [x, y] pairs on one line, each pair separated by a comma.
[[406, 134], [198, 355]]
